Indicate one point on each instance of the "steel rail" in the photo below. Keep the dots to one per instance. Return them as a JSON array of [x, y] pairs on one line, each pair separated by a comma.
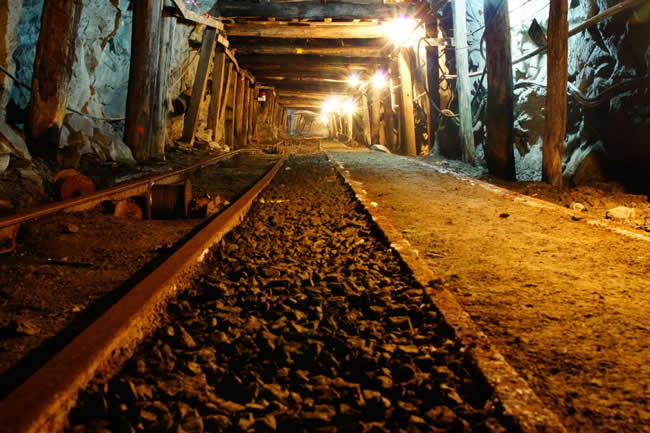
[[42, 402], [129, 189]]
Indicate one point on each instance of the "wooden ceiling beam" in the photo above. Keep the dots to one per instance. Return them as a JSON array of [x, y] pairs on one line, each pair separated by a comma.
[[311, 60], [307, 31], [311, 87], [311, 10], [281, 50], [301, 77]]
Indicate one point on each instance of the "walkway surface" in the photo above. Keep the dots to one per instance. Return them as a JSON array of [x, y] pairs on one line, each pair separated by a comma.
[[567, 302]]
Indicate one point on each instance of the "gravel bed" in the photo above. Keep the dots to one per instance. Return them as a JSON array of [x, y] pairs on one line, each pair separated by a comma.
[[305, 321]]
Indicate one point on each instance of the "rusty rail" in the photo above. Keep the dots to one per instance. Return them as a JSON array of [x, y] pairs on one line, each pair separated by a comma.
[[119, 192], [42, 402]]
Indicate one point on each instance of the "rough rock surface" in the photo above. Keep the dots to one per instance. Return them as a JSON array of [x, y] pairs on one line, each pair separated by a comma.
[[605, 55]]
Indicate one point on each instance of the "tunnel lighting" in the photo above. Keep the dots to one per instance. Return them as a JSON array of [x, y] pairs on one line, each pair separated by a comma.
[[324, 119], [330, 105], [348, 106], [379, 80], [354, 80], [404, 31]]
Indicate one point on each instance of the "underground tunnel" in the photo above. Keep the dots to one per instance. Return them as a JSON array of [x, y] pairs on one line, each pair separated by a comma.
[[325, 216]]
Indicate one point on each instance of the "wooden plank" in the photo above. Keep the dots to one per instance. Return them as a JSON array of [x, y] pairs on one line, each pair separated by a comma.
[[55, 56], [232, 58], [499, 115], [395, 116], [288, 49], [377, 96], [226, 94], [311, 10], [246, 115], [239, 112], [463, 85], [143, 74], [556, 94], [406, 103], [367, 132], [307, 61], [332, 31], [432, 82], [197, 18], [218, 75], [433, 85], [161, 101], [200, 82], [233, 110], [350, 126]]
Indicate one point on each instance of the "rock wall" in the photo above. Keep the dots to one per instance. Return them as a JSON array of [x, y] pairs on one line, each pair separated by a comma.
[[607, 138], [101, 71]]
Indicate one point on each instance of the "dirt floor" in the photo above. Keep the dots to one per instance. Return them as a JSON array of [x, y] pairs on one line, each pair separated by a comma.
[[593, 200], [67, 268], [566, 302]]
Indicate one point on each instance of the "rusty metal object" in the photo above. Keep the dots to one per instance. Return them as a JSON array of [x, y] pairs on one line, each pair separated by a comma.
[[519, 401], [42, 402], [170, 201], [120, 192]]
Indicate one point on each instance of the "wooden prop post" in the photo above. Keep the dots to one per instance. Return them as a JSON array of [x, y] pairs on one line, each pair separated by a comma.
[[556, 93], [499, 119], [52, 72], [463, 86]]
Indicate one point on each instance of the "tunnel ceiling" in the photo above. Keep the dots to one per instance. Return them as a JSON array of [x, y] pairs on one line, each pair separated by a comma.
[[307, 50]]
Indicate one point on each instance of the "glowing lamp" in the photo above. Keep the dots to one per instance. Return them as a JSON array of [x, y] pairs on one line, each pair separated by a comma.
[[353, 80], [403, 31], [348, 106], [379, 80]]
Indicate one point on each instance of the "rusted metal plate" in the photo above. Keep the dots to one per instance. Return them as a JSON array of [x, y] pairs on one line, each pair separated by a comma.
[[42, 402]]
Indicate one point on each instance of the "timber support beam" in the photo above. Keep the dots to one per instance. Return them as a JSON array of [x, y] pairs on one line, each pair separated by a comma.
[[556, 96], [52, 72]]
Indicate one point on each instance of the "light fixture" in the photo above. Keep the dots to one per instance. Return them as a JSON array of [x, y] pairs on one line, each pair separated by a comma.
[[403, 31], [348, 106], [379, 80], [354, 80], [330, 105], [324, 119]]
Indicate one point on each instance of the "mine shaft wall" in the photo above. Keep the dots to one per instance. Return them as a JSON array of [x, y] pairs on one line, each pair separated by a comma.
[[607, 142], [102, 56]]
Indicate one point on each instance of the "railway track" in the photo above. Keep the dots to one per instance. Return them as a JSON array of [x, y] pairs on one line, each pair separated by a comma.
[[119, 192], [301, 319]]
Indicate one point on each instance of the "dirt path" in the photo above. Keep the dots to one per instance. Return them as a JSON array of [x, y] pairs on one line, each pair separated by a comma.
[[567, 303]]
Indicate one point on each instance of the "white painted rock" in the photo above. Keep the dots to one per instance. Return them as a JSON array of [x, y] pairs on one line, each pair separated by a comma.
[[12, 142], [379, 148], [620, 213], [579, 207]]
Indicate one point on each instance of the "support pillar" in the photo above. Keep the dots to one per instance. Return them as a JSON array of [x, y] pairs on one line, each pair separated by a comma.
[[406, 102], [218, 78], [52, 73], [556, 95], [367, 133], [161, 100], [463, 85], [433, 84], [499, 116], [200, 82]]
